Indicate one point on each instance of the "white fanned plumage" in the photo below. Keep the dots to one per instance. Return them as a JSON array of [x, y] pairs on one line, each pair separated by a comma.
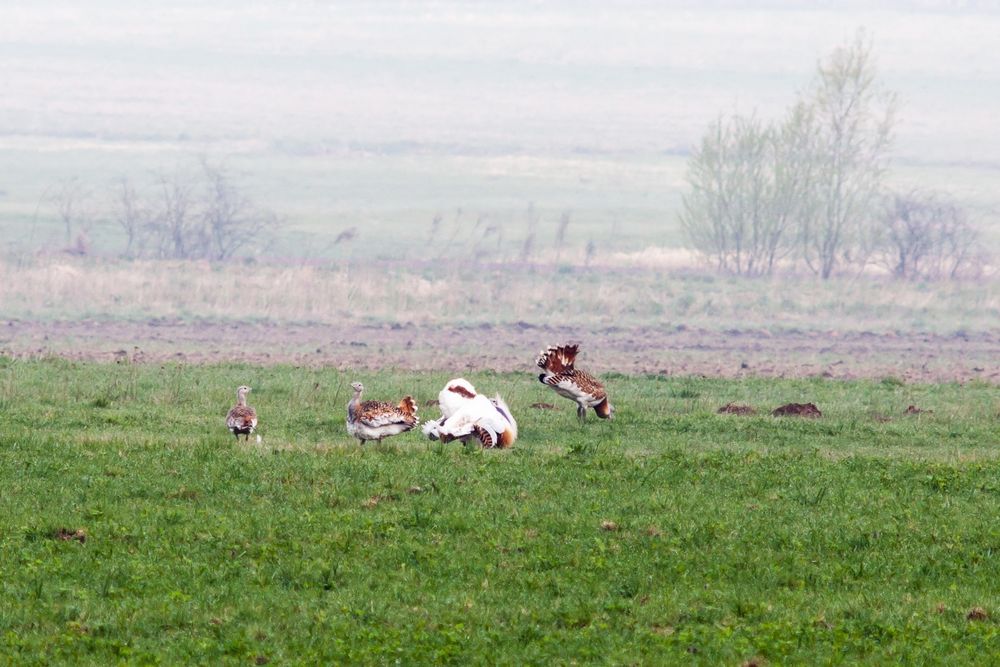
[[455, 395], [466, 414]]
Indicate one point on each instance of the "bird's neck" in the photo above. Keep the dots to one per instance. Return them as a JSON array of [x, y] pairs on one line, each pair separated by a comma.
[[356, 400], [352, 406], [241, 399]]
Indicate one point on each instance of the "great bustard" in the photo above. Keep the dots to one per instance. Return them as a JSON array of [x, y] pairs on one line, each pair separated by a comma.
[[578, 386], [374, 420], [467, 415], [242, 419]]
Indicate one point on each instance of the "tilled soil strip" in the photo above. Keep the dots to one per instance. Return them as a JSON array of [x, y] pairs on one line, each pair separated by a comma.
[[670, 349]]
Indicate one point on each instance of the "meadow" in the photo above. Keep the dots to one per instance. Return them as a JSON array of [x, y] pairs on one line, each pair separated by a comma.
[[457, 185], [134, 529]]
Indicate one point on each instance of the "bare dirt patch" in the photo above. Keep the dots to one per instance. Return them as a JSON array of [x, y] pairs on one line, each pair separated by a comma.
[[663, 350], [543, 406], [914, 410], [797, 410]]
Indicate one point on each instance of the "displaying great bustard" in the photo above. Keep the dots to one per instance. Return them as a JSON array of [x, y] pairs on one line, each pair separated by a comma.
[[578, 386], [467, 415]]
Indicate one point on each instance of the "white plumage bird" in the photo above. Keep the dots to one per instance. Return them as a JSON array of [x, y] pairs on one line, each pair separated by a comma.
[[467, 414]]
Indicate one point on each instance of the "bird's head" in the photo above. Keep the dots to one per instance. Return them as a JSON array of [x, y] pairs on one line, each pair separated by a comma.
[[357, 386]]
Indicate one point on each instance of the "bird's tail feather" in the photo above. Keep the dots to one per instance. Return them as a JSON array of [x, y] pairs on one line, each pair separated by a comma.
[[409, 407], [558, 358], [510, 435]]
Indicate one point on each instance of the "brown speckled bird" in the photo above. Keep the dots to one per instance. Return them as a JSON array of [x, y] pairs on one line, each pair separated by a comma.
[[242, 419], [374, 420], [576, 385]]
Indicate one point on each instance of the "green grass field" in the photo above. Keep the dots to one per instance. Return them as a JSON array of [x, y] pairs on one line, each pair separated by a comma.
[[669, 535]]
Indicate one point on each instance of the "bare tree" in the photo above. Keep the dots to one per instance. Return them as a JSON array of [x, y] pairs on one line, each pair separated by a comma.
[[186, 215], [532, 218], [174, 227], [809, 184], [745, 193], [564, 220], [231, 220], [793, 169], [132, 216], [853, 117], [72, 202], [928, 236], [192, 216]]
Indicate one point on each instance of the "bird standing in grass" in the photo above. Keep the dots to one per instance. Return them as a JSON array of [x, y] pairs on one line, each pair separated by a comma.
[[578, 386], [242, 419], [374, 420]]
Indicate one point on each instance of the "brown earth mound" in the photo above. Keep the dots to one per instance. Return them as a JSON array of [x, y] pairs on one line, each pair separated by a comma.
[[797, 410], [914, 410], [543, 406], [66, 534], [977, 614], [735, 409]]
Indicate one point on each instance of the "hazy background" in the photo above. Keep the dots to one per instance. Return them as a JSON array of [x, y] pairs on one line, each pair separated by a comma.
[[516, 164], [383, 115]]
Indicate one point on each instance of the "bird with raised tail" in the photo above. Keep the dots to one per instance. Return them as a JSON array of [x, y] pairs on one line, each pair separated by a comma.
[[467, 415], [374, 420], [578, 386], [242, 419]]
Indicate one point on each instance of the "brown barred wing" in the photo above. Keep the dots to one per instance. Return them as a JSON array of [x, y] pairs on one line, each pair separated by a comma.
[[382, 413]]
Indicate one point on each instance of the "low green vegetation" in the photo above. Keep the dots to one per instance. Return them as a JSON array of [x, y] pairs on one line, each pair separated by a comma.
[[133, 528]]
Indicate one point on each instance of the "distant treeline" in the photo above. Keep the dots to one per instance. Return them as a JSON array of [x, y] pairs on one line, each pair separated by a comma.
[[197, 214], [809, 190]]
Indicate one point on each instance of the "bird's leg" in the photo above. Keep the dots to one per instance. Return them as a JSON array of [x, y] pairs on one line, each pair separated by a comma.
[[581, 413]]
